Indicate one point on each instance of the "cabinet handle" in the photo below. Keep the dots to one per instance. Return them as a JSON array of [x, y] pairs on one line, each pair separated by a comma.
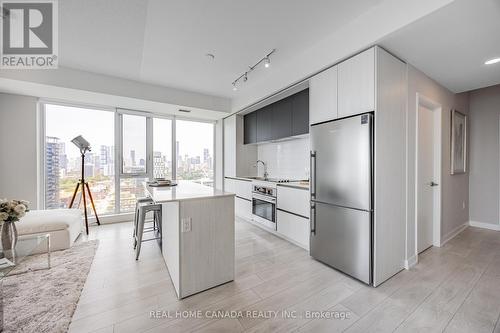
[[313, 218], [312, 170]]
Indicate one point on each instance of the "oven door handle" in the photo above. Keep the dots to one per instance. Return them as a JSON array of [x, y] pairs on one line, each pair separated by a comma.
[[264, 198]]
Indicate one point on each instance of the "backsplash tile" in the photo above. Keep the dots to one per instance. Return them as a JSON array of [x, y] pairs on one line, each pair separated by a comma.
[[286, 159]]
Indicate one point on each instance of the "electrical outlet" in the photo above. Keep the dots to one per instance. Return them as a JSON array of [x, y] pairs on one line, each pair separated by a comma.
[[186, 224]]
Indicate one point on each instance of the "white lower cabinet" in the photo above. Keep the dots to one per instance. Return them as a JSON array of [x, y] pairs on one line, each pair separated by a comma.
[[293, 227], [243, 208]]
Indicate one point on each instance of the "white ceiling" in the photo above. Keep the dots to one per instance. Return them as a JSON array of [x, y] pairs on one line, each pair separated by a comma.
[[452, 44], [164, 42]]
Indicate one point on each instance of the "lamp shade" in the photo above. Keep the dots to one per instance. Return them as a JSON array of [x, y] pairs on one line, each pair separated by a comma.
[[81, 143]]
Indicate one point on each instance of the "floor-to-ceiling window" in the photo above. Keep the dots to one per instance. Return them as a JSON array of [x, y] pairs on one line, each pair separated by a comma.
[[128, 148], [162, 148], [63, 160], [135, 160], [195, 151]]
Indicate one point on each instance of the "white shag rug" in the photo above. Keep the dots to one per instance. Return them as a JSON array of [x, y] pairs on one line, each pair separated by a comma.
[[45, 300]]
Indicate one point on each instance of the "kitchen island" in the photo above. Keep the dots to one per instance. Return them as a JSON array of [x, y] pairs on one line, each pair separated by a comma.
[[197, 235]]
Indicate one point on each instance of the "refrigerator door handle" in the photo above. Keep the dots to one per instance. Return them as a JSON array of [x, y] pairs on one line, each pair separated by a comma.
[[313, 218], [312, 167]]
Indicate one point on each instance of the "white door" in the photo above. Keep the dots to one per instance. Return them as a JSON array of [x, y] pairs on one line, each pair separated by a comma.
[[426, 178]]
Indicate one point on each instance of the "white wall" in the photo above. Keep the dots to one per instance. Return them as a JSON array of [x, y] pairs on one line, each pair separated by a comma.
[[74, 80], [18, 148], [454, 189], [484, 182], [286, 159]]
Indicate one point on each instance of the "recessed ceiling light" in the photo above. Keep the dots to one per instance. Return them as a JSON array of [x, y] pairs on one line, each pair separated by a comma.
[[492, 61], [210, 56]]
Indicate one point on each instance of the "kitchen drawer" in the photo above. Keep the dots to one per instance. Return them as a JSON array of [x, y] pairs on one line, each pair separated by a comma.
[[294, 227], [294, 200], [243, 208], [241, 188]]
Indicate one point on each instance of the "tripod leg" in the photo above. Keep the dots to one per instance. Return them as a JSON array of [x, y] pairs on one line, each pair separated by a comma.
[[74, 195], [92, 202], [85, 209]]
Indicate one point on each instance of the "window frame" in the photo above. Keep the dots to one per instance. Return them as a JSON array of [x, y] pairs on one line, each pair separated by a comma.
[[118, 144]]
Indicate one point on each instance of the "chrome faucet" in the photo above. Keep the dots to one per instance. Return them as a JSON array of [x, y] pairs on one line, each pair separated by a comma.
[[266, 175]]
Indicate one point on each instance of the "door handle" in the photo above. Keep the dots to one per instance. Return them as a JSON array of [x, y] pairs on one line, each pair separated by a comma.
[[432, 184], [313, 218], [312, 168]]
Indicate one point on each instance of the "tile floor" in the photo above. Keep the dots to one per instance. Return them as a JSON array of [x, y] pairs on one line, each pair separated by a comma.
[[455, 288]]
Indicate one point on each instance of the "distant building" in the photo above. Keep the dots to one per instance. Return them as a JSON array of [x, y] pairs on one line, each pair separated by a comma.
[[52, 175], [132, 157], [159, 167], [106, 163], [206, 155], [89, 170]]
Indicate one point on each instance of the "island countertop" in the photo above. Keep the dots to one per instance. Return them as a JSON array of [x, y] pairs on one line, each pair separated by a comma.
[[185, 190]]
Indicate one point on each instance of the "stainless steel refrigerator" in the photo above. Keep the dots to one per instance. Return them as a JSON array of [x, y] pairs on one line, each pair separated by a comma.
[[342, 195]]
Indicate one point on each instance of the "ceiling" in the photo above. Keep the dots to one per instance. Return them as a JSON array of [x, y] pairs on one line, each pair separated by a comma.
[[164, 42], [451, 44]]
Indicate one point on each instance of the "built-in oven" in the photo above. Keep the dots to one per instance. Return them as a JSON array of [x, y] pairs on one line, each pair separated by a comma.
[[264, 206]]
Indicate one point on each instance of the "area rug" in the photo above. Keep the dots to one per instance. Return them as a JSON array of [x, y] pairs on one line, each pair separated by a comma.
[[45, 300]]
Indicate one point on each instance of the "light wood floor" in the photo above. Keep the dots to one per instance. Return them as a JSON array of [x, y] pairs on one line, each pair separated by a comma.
[[454, 289]]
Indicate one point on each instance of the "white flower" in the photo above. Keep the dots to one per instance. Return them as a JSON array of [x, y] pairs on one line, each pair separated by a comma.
[[3, 216], [20, 209]]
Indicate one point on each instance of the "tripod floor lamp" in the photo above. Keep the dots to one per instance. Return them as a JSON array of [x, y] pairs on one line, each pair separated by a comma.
[[84, 147]]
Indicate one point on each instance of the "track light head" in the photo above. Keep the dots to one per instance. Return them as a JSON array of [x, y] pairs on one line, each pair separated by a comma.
[[267, 62], [234, 87], [245, 78]]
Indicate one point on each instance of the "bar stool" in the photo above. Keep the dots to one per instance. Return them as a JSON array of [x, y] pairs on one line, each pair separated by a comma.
[[143, 209], [136, 214]]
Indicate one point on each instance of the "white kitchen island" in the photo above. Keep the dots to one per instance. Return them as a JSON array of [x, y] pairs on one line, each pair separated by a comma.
[[197, 235]]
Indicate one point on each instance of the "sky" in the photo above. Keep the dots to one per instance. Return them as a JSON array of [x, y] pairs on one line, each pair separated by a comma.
[[97, 127]]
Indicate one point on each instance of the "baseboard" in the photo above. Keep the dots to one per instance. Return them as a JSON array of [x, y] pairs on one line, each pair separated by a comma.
[[412, 261], [484, 225], [452, 234]]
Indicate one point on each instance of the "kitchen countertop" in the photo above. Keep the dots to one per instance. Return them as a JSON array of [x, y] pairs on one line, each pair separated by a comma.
[[185, 190]]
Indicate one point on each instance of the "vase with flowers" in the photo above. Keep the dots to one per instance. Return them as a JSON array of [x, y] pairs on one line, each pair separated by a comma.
[[11, 211]]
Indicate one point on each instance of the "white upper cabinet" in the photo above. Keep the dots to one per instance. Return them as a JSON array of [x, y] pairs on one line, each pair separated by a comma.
[[356, 84], [323, 96]]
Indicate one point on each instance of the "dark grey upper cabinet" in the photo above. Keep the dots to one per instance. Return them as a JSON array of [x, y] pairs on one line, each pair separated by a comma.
[[264, 119], [300, 113], [281, 123], [284, 118], [250, 128]]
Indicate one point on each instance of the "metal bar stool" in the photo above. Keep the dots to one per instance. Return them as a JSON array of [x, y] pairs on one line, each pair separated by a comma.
[[143, 209], [136, 214]]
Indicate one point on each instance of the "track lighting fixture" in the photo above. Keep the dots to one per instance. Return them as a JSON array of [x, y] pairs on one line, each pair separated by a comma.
[[267, 62]]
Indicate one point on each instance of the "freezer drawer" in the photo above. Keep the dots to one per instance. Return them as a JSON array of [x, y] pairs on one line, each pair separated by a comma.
[[342, 239]]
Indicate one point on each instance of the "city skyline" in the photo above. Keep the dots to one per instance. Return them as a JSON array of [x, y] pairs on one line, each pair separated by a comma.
[[99, 171]]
